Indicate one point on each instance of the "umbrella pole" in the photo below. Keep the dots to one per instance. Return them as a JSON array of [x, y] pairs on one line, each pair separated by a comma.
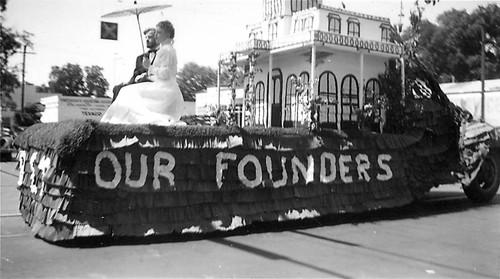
[[140, 33]]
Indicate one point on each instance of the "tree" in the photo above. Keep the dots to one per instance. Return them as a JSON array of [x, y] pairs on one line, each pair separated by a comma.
[[10, 43], [95, 82], [193, 78], [453, 47], [71, 80], [68, 80]]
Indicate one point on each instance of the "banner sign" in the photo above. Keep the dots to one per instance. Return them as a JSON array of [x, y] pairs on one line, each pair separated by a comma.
[[169, 169], [59, 108]]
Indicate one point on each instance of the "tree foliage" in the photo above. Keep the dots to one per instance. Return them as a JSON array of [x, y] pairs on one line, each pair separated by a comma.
[[68, 80], [11, 42], [95, 82], [193, 78], [452, 48], [71, 80]]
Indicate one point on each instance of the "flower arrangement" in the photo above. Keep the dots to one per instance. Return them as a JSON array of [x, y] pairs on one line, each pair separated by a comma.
[[372, 113], [233, 78], [249, 110], [309, 104]]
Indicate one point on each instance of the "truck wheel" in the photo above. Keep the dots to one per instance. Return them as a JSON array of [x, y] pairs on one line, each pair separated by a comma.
[[485, 186]]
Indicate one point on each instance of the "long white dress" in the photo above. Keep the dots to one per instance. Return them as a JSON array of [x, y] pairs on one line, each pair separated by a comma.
[[159, 102]]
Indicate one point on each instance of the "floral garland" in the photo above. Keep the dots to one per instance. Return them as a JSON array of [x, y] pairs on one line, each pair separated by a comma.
[[249, 90], [233, 77], [367, 116], [310, 105]]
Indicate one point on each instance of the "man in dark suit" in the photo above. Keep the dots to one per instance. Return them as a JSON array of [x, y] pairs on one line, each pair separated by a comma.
[[140, 73]]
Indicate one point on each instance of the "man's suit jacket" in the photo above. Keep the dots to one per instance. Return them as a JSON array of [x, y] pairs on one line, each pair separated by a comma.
[[139, 69]]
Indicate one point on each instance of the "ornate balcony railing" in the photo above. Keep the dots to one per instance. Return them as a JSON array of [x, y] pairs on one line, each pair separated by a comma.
[[343, 40], [252, 44], [318, 36]]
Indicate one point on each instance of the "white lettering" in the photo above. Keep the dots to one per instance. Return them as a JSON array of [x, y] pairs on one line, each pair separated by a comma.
[[22, 166], [284, 174], [34, 171], [385, 167], [363, 166], [324, 178], [116, 168], [44, 166], [163, 170], [143, 172], [258, 171], [344, 170], [220, 167], [308, 173]]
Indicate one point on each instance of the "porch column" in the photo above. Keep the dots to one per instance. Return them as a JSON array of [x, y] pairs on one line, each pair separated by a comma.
[[313, 70], [218, 82], [270, 96], [362, 78]]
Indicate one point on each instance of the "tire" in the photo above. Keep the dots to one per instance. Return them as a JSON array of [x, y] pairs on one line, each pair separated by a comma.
[[485, 186]]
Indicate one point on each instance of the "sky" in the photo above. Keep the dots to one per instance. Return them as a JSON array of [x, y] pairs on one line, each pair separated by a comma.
[[68, 31]]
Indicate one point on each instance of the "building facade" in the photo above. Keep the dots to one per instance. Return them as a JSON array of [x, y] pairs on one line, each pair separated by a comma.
[[336, 53]]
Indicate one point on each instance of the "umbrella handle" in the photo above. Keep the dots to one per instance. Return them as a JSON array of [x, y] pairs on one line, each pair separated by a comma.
[[140, 32]]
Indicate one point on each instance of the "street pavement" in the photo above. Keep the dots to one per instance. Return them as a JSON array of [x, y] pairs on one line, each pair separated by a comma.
[[443, 236]]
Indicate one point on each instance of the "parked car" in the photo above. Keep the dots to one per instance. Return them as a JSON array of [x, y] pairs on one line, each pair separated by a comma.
[[7, 144]]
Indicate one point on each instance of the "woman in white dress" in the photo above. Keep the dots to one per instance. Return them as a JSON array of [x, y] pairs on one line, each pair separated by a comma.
[[159, 102]]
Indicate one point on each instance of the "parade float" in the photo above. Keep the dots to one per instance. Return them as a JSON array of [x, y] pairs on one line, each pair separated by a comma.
[[83, 178]]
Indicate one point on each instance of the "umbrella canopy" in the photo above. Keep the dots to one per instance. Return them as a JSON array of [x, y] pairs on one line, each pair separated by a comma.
[[136, 10]]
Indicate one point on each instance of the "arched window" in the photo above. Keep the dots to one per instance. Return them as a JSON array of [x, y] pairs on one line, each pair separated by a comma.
[[327, 91], [309, 23], [304, 76], [296, 26], [350, 99], [273, 31], [290, 102], [372, 94], [372, 90], [277, 84], [353, 27], [334, 23], [260, 103]]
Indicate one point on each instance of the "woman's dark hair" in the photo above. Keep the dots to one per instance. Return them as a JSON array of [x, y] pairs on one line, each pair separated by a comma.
[[168, 27]]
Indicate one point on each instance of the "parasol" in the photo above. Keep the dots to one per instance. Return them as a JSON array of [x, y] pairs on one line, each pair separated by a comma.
[[136, 10]]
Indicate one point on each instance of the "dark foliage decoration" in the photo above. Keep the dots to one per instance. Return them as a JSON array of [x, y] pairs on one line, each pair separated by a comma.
[[61, 201]]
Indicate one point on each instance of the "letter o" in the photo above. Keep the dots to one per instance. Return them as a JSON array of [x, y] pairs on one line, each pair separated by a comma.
[[258, 171], [116, 166]]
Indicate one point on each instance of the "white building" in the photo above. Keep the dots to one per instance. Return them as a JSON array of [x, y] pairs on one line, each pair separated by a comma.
[[59, 108], [339, 52], [467, 95]]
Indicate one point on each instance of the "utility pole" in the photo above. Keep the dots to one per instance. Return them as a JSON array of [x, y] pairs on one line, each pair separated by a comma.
[[24, 67], [22, 84], [482, 73]]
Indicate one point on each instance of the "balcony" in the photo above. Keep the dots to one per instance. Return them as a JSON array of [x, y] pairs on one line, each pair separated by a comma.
[[309, 37]]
